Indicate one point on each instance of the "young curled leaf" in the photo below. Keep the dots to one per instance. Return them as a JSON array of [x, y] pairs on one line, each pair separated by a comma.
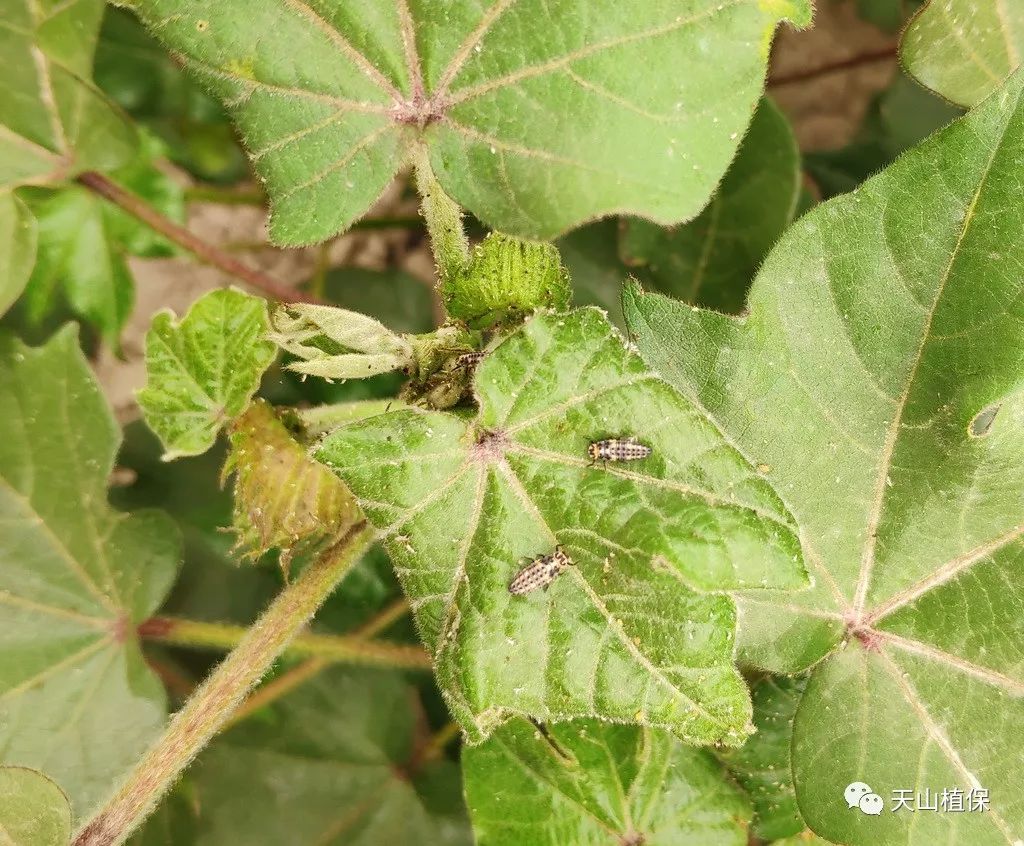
[[506, 278], [335, 343], [283, 499], [202, 370]]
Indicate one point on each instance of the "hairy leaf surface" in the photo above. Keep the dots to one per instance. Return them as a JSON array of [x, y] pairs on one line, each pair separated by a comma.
[[536, 116], [964, 49], [878, 380], [635, 631], [204, 369], [589, 783], [712, 260], [76, 698]]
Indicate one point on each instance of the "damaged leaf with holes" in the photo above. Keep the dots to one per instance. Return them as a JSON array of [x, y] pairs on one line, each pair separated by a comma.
[[283, 499], [76, 698], [627, 110], [877, 380], [639, 629]]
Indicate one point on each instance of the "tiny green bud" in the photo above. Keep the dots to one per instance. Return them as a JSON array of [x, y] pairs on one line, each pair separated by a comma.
[[505, 279]]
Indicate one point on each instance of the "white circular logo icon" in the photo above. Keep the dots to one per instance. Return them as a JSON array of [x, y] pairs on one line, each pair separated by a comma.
[[860, 795]]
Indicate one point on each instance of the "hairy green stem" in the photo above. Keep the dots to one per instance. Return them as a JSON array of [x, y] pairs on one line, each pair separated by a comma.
[[444, 220], [345, 649], [280, 686], [210, 707]]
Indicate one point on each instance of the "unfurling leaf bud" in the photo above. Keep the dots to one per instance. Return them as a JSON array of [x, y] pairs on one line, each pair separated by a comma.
[[506, 279], [335, 343]]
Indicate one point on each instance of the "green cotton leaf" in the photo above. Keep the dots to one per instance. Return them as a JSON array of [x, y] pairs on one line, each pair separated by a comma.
[[761, 766], [76, 697], [33, 810], [878, 382], [593, 784], [535, 118], [79, 261], [83, 243], [964, 49], [138, 74], [18, 236], [637, 630], [331, 763], [712, 260], [53, 121], [203, 370]]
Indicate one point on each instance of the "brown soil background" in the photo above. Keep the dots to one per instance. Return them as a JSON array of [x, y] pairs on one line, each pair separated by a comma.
[[825, 111]]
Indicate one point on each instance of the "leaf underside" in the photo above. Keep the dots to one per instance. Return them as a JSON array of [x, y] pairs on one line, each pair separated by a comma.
[[593, 784], [878, 381], [635, 631], [76, 698], [537, 115]]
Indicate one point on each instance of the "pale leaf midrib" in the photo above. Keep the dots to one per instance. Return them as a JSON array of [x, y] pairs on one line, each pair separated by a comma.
[[62, 551], [869, 551], [938, 736], [954, 662], [542, 779]]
